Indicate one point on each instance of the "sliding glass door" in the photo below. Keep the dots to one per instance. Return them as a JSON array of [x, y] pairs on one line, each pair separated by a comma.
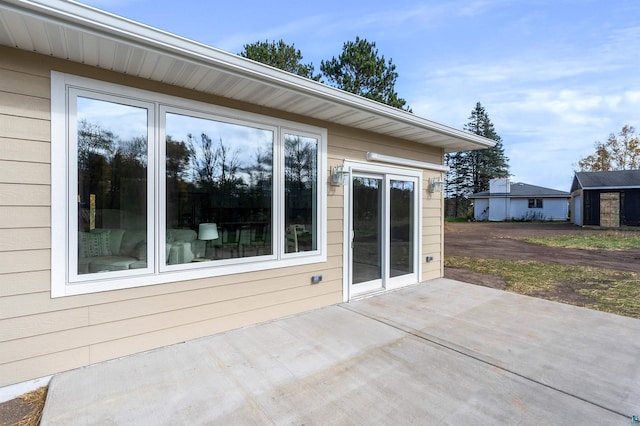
[[384, 231]]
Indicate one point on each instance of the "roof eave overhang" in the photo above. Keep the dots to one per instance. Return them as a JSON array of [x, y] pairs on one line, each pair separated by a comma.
[[521, 196], [70, 31], [613, 187]]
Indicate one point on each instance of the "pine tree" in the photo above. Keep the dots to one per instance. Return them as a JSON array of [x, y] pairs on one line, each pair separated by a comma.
[[471, 171], [359, 69], [280, 55]]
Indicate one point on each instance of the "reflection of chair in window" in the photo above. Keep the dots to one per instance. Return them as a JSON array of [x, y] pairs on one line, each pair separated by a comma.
[[230, 239], [292, 235], [257, 237]]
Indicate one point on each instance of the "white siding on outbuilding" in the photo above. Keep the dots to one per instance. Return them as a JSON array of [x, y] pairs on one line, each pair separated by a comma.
[[520, 201], [552, 209], [498, 209], [481, 209], [577, 206]]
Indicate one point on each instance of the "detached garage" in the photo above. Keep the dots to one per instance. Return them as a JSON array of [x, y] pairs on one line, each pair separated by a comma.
[[608, 199]]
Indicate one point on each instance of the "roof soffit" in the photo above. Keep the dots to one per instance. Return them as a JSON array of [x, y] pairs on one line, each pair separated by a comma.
[[86, 35]]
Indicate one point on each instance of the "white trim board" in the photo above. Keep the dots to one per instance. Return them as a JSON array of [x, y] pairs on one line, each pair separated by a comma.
[[373, 156]]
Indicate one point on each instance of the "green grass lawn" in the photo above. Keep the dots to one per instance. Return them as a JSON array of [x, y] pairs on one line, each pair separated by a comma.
[[606, 290], [607, 240]]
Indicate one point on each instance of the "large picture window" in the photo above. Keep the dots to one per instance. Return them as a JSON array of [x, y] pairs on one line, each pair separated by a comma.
[[160, 189], [219, 175]]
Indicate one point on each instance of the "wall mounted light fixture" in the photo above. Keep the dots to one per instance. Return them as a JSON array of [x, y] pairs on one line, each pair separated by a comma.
[[339, 176], [436, 185]]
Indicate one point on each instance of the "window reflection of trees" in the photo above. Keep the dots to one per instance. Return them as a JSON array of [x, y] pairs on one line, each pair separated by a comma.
[[402, 199], [221, 178], [301, 171], [213, 180], [113, 172]]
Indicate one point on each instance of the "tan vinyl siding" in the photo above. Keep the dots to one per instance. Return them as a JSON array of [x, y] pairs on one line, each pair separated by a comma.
[[20, 217], [432, 230], [42, 336], [24, 150], [25, 195], [25, 283], [14, 261]]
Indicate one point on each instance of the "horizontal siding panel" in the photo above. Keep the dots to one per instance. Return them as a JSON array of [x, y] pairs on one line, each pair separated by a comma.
[[31, 347], [23, 62], [20, 371], [13, 127], [22, 83], [25, 150], [25, 283], [24, 239], [336, 255], [433, 238], [34, 325], [431, 248], [36, 303], [336, 202], [334, 238], [239, 292], [29, 304], [430, 208], [332, 225], [118, 348], [335, 214], [345, 147], [23, 172], [24, 195], [432, 214], [431, 231], [24, 261], [24, 105], [341, 153], [432, 274], [24, 217]]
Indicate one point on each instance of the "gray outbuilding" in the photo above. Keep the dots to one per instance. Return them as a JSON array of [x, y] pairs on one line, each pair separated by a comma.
[[507, 200]]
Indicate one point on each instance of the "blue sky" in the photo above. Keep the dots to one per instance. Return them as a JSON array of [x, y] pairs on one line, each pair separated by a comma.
[[554, 76]]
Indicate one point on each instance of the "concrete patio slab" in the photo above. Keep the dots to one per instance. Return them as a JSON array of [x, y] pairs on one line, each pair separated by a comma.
[[442, 352]]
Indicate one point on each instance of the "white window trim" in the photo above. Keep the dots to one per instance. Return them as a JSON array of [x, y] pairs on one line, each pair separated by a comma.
[[62, 282]]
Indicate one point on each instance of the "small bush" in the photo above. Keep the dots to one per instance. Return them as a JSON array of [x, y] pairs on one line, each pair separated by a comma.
[[530, 217]]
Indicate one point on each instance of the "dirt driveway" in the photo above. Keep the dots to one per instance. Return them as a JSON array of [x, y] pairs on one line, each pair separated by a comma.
[[502, 240]]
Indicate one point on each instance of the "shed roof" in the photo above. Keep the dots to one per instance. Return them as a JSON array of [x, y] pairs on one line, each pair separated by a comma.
[[618, 179], [79, 33], [523, 190]]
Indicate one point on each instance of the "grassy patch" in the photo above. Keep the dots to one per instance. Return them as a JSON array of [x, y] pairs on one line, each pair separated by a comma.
[[601, 241], [456, 219], [605, 290]]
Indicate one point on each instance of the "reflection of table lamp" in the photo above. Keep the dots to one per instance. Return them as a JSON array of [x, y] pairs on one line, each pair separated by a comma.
[[207, 232]]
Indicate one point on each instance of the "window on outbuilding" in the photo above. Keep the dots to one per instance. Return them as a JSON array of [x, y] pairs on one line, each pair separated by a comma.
[[535, 203]]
